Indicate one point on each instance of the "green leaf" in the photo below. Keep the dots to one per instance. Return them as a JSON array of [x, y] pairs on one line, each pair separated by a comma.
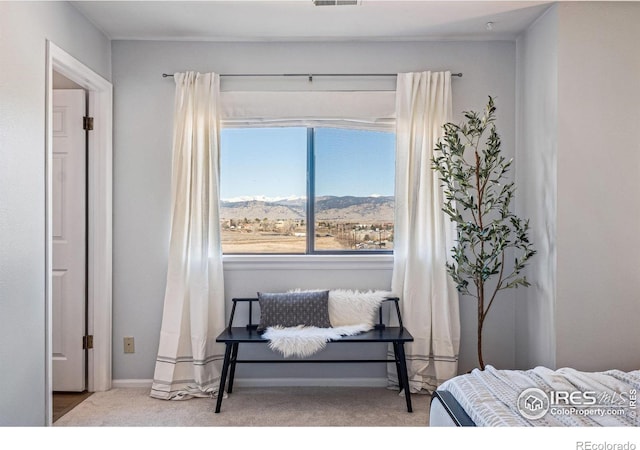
[[478, 193]]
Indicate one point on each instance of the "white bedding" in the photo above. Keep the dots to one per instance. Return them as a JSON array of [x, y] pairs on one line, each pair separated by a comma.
[[490, 397]]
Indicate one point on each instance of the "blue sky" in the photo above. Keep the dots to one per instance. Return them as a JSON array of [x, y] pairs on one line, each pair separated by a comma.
[[271, 162]]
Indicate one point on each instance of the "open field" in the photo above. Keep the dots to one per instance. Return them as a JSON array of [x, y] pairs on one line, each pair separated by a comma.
[[236, 242], [243, 242]]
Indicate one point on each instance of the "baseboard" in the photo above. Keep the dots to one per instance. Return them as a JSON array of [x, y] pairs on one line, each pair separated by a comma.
[[133, 383], [273, 382]]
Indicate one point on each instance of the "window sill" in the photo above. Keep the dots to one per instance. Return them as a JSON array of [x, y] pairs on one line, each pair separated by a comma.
[[308, 262]]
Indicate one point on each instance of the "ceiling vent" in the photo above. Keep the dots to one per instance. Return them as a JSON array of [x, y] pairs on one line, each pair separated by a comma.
[[335, 2]]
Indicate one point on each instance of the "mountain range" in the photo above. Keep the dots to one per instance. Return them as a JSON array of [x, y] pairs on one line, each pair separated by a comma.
[[348, 208]]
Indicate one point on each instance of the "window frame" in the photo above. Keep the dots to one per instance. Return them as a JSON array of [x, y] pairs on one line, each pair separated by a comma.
[[310, 211]]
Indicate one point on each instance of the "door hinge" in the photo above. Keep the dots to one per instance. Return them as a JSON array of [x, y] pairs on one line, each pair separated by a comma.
[[87, 342], [87, 123]]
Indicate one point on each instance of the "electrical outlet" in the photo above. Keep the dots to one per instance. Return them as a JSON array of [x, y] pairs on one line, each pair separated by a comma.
[[128, 345]]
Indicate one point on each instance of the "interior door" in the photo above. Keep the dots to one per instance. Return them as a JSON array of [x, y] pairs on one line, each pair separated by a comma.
[[69, 239]]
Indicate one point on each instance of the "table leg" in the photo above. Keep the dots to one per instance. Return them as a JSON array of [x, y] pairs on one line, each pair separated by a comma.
[[397, 359], [232, 371], [404, 375], [223, 376]]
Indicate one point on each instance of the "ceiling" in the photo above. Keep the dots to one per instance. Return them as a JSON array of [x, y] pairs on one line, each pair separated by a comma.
[[301, 20]]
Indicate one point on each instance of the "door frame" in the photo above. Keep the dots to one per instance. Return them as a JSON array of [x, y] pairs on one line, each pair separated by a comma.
[[99, 219]]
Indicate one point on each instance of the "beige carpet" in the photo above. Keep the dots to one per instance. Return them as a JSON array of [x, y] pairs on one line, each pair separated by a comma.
[[254, 407]]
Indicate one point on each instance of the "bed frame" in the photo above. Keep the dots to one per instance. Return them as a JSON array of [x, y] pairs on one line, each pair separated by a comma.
[[232, 337], [456, 414]]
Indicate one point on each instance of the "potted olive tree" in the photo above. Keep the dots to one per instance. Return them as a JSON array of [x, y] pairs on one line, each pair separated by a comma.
[[478, 199]]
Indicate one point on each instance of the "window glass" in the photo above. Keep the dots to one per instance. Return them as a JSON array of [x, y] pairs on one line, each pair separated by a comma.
[[263, 189], [354, 189]]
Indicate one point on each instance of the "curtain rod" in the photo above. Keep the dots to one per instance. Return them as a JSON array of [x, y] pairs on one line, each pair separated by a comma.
[[310, 75]]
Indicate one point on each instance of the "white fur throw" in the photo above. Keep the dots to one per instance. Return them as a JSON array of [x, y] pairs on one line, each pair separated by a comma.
[[350, 312], [304, 341]]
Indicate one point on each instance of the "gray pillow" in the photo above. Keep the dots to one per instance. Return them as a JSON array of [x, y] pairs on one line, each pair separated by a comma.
[[290, 309]]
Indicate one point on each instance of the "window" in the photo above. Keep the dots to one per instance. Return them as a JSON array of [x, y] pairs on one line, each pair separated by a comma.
[[297, 190]]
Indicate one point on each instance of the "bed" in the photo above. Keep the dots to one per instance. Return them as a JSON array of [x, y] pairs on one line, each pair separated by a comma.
[[537, 397]]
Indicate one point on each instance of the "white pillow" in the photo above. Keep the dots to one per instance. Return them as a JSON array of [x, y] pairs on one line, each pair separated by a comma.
[[349, 307]]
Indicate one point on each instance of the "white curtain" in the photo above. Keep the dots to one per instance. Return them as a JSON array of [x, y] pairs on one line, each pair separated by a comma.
[[423, 234], [189, 360]]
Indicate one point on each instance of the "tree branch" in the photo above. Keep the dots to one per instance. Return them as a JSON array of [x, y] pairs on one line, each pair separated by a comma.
[[497, 285]]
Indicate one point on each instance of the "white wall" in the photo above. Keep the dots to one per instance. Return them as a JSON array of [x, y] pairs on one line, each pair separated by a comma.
[[25, 27], [598, 278], [142, 170], [578, 141], [536, 181]]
